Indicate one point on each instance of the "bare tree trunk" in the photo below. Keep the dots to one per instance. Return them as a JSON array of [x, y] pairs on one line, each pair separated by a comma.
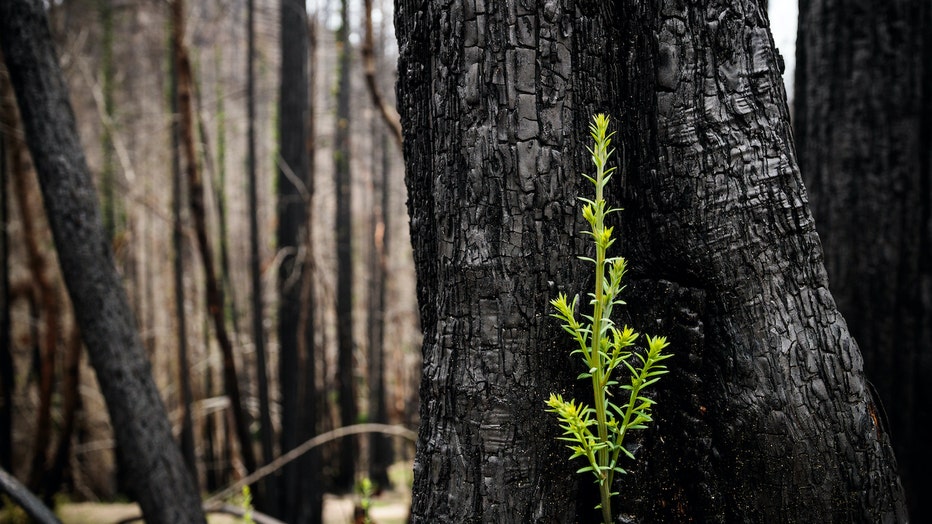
[[265, 416], [863, 124], [214, 297], [766, 415], [107, 73], [71, 404], [389, 114], [187, 429], [344, 229], [380, 450], [300, 487], [155, 467], [47, 298]]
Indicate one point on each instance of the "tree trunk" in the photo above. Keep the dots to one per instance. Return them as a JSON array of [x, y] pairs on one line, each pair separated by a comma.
[[380, 447], [44, 289], [765, 416], [214, 291], [71, 404], [255, 272], [300, 488], [107, 73], [344, 230], [6, 341], [864, 132], [158, 477], [187, 429]]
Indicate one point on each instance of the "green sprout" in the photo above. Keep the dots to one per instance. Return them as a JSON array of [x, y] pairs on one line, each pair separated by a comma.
[[596, 434]]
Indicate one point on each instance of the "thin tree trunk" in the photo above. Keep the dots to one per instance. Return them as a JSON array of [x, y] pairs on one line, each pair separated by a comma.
[[187, 429], [71, 403], [265, 416], [7, 385], [48, 307], [301, 493], [344, 229], [220, 192], [214, 293], [765, 416], [379, 446], [107, 73], [864, 132], [156, 470], [389, 114]]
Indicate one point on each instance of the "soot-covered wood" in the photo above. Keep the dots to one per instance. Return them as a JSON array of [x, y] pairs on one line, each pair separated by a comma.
[[863, 119], [765, 416]]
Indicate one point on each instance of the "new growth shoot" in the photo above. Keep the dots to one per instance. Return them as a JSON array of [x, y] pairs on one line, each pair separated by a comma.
[[596, 433]]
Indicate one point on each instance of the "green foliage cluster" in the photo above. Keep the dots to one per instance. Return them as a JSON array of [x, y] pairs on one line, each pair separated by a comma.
[[596, 433]]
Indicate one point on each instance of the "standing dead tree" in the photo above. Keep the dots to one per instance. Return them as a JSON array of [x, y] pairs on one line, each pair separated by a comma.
[[156, 471], [215, 301]]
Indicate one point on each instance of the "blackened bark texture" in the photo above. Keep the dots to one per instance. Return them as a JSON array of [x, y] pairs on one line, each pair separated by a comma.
[[765, 416], [300, 485], [489, 122], [157, 474], [344, 228], [864, 135]]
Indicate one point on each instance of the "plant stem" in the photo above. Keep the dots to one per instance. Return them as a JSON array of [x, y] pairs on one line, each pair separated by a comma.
[[596, 351]]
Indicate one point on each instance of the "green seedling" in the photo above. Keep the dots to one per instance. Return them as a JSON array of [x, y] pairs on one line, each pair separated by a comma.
[[596, 433]]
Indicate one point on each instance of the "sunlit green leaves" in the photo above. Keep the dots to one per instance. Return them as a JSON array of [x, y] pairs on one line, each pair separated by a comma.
[[596, 434]]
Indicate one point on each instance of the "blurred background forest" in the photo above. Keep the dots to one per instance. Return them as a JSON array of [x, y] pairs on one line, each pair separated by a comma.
[[117, 57]]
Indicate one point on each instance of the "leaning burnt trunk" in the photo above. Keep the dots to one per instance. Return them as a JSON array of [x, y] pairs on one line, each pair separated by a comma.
[[765, 416], [156, 470]]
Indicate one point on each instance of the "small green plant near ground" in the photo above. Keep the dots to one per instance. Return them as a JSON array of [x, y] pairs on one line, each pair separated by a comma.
[[596, 433], [366, 488], [246, 504]]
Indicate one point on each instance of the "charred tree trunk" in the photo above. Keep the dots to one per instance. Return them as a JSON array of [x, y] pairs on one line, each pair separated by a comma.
[[187, 429], [215, 301], [344, 229], [766, 399], [158, 477], [864, 133], [255, 271], [300, 488]]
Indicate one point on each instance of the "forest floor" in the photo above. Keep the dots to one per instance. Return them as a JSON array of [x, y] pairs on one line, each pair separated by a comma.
[[389, 507]]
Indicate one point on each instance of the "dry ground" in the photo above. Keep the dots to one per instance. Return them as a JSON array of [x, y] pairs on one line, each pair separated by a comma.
[[388, 508]]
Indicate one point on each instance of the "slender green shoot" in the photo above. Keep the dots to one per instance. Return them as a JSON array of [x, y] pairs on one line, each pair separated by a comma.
[[596, 434]]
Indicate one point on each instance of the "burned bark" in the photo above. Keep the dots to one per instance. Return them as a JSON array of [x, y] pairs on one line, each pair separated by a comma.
[[300, 486], [766, 416], [863, 121]]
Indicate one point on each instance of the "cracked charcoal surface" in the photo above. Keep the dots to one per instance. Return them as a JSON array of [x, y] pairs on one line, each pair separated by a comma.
[[768, 413]]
